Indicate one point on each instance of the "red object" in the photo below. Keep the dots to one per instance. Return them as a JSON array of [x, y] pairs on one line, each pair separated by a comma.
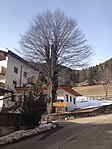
[[2, 56]]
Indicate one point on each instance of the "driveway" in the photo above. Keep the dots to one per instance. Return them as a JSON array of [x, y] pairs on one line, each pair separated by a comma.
[[81, 133]]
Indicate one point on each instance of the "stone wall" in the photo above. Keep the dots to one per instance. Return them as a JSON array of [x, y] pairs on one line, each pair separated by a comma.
[[12, 119], [78, 114]]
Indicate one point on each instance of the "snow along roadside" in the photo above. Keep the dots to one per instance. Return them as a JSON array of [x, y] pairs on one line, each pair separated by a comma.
[[25, 133]]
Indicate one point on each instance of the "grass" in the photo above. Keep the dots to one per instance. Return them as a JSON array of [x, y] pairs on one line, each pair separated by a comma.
[[94, 91]]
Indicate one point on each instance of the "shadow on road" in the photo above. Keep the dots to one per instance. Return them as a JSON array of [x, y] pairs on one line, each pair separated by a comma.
[[50, 132]]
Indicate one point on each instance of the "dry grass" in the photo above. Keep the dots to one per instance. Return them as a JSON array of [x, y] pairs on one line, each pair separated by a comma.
[[92, 91]]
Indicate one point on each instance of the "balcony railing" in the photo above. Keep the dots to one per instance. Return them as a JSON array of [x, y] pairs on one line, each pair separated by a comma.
[[31, 80], [3, 70], [2, 85]]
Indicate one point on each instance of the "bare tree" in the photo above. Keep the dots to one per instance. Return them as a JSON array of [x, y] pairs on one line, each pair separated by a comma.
[[106, 80], [54, 39]]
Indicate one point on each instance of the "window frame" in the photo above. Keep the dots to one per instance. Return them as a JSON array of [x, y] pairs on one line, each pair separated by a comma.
[[25, 74], [67, 98], [74, 100], [70, 98], [15, 70]]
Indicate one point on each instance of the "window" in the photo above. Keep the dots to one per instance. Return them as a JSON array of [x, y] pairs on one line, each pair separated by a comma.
[[14, 83], [15, 69], [70, 99], [74, 100], [25, 74], [66, 109], [66, 97]]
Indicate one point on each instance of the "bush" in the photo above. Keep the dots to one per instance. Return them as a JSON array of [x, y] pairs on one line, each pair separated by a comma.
[[33, 108]]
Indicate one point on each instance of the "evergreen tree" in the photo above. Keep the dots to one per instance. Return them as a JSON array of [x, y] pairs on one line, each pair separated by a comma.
[[34, 105]]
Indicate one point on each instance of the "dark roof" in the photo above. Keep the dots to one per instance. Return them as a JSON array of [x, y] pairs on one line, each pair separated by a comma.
[[69, 90], [21, 59]]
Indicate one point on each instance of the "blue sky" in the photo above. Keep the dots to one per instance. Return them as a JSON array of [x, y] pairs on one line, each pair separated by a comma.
[[94, 18]]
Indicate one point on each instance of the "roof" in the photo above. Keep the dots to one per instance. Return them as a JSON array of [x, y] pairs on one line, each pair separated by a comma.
[[5, 50], [21, 59], [21, 90], [69, 90], [65, 88]]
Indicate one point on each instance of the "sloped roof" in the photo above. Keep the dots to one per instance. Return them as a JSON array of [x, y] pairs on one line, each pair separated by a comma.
[[69, 90], [63, 87], [21, 59]]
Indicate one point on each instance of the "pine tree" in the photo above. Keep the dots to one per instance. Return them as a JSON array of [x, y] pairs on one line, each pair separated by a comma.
[[34, 105]]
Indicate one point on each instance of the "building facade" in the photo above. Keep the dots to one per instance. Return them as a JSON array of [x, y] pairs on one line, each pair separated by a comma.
[[68, 96], [14, 72], [18, 71], [65, 100]]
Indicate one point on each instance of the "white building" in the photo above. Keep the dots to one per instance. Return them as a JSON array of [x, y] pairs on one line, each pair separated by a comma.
[[14, 70], [18, 71], [68, 97]]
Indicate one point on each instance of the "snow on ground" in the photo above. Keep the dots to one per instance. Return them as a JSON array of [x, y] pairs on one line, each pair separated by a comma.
[[83, 102], [25, 133]]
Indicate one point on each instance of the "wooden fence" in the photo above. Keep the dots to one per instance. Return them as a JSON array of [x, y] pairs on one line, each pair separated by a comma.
[[9, 119]]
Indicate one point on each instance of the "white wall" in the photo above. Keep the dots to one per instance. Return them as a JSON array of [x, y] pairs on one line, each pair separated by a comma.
[[11, 76], [1, 103], [3, 64], [71, 105]]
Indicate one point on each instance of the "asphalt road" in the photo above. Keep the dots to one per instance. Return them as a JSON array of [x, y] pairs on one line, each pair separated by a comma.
[[82, 133]]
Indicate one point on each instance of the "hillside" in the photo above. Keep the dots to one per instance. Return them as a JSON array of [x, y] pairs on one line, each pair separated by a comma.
[[97, 74], [94, 91], [69, 77]]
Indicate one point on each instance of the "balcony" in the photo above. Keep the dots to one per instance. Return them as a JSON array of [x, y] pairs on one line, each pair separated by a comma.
[[2, 55], [3, 70], [31, 80], [2, 85]]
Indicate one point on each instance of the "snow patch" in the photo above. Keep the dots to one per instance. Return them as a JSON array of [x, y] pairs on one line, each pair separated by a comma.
[[25, 133], [84, 102]]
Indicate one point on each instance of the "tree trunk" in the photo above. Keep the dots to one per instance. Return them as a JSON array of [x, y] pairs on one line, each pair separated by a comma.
[[54, 88]]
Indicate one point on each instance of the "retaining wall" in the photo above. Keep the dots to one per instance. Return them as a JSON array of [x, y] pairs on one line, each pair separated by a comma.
[[78, 114]]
